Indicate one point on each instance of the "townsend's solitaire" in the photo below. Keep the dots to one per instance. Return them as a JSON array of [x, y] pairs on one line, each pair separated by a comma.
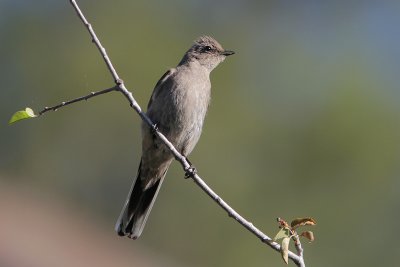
[[177, 106]]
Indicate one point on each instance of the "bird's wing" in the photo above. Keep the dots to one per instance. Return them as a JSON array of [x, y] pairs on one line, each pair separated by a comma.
[[159, 86]]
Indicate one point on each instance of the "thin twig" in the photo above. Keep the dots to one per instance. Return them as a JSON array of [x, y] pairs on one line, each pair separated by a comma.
[[300, 250], [86, 97], [179, 157], [97, 42]]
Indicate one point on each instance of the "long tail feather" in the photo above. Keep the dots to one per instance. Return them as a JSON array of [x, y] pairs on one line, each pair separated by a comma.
[[137, 207]]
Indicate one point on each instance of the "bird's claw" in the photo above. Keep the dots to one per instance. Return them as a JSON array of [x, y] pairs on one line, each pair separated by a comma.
[[190, 172], [119, 81], [154, 127]]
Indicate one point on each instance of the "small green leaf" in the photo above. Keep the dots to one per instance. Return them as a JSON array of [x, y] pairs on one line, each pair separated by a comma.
[[22, 114], [283, 233], [285, 249]]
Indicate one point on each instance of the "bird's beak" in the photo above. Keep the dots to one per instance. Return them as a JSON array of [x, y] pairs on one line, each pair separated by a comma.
[[227, 53]]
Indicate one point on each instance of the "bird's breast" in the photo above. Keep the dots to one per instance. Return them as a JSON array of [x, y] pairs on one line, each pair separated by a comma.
[[180, 108], [190, 101]]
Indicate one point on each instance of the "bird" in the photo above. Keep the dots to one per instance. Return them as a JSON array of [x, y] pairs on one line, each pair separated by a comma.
[[177, 107]]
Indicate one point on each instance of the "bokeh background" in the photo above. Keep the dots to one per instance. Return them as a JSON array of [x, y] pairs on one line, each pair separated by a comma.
[[304, 121]]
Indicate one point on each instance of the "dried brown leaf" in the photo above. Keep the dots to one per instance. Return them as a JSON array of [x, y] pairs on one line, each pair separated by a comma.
[[302, 221], [309, 235]]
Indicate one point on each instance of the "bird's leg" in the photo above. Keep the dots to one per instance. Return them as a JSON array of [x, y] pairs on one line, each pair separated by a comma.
[[190, 171], [154, 128]]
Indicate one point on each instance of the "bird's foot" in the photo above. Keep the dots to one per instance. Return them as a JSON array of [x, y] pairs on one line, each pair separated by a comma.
[[154, 128], [190, 172]]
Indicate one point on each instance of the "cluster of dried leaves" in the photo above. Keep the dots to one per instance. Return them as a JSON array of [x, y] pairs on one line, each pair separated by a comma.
[[288, 232]]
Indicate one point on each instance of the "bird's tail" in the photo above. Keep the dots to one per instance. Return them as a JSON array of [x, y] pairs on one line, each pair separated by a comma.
[[137, 207]]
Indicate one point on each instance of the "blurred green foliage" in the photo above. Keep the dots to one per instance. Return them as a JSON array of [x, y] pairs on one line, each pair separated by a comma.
[[304, 121]]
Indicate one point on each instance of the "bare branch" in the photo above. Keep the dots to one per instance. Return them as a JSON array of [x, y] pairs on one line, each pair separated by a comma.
[[300, 250], [86, 97], [298, 260], [95, 40]]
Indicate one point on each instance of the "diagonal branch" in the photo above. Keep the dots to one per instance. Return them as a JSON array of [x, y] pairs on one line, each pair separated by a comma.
[[298, 260], [96, 41]]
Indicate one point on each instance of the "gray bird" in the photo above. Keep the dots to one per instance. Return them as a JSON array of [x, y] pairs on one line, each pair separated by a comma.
[[177, 106]]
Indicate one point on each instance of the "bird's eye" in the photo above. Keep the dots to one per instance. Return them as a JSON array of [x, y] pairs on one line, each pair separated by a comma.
[[207, 48]]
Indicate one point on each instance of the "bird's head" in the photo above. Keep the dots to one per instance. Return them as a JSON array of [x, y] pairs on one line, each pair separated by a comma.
[[206, 51]]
